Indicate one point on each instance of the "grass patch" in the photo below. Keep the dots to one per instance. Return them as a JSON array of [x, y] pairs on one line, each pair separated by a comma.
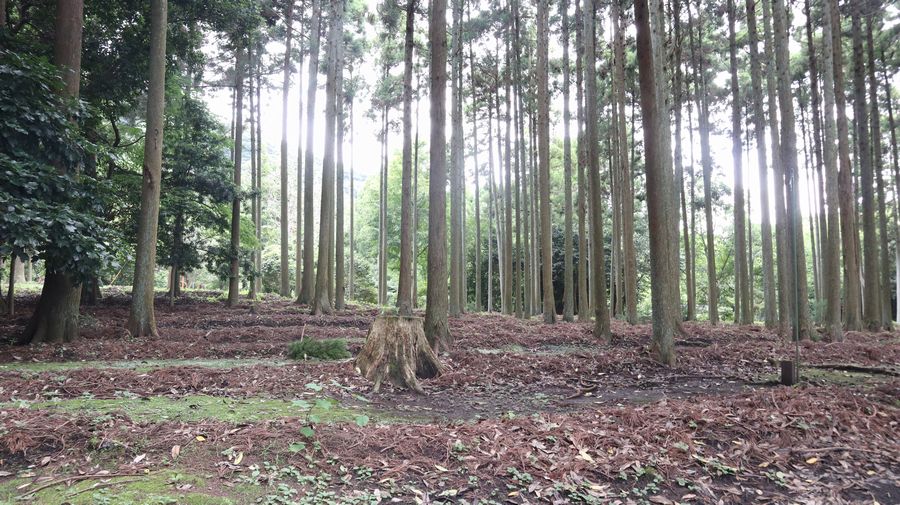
[[194, 408], [136, 365], [325, 349], [160, 488]]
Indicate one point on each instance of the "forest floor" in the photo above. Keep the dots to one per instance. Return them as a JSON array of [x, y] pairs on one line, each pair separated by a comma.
[[213, 412]]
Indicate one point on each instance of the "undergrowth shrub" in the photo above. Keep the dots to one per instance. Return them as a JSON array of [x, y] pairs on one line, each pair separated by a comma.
[[332, 348]]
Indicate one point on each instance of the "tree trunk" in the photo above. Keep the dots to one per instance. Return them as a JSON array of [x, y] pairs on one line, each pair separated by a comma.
[[11, 291], [337, 250], [659, 180], [404, 290], [742, 316], [322, 301], [601, 310], [872, 280], [830, 245], [678, 156], [298, 241], [477, 169], [885, 263], [437, 329], [568, 273], [896, 188], [706, 160], [55, 318], [254, 188], [456, 164], [307, 283], [396, 350], [141, 320], [511, 295], [581, 199], [769, 297], [351, 282], [543, 133], [234, 276], [285, 88]]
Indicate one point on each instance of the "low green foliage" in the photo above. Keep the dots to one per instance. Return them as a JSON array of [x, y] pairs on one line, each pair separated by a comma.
[[335, 348]]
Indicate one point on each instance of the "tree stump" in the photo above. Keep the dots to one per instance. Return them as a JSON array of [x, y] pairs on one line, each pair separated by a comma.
[[396, 349]]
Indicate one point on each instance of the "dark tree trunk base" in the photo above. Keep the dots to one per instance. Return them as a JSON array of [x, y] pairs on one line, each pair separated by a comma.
[[396, 350], [55, 319]]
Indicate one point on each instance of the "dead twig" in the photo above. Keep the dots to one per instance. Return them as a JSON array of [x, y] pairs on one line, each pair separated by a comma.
[[76, 478]]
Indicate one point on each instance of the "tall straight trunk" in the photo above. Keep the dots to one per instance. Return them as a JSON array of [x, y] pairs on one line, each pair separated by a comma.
[[659, 181], [456, 165], [568, 279], [491, 213], [253, 291], [740, 239], [872, 280], [878, 167], [816, 131], [678, 156], [706, 161], [601, 310], [852, 314], [322, 302], [285, 88], [142, 319], [298, 241], [351, 278], [781, 236], [415, 212], [808, 162], [258, 154], [404, 290], [830, 245], [790, 173], [626, 208], [437, 329], [543, 148], [510, 262], [382, 222], [692, 288], [896, 166], [11, 290], [581, 198], [477, 169], [307, 282], [234, 275], [339, 277], [55, 318]]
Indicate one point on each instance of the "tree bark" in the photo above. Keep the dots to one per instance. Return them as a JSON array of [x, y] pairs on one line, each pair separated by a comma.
[[404, 290], [322, 301], [581, 199], [456, 165], [234, 276], [285, 88], [396, 350], [871, 282], [437, 329], [742, 316], [142, 320], [307, 284], [339, 276], [659, 180], [543, 145], [568, 269], [601, 310]]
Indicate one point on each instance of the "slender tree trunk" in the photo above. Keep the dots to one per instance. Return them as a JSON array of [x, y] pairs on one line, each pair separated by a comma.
[[706, 160], [491, 213], [253, 291], [234, 275], [352, 276], [340, 286], [298, 242], [659, 180], [678, 94], [511, 282], [404, 291], [11, 291], [831, 245], [456, 165], [568, 279], [601, 310], [543, 148], [581, 198], [415, 213], [437, 329], [55, 318], [871, 281], [322, 302], [740, 242], [477, 169], [285, 88], [141, 320], [896, 165], [307, 283], [769, 297], [257, 219], [885, 263], [852, 314]]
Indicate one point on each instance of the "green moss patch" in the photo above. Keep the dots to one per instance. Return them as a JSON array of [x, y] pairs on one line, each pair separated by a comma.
[[198, 407], [142, 365], [325, 349], [160, 488]]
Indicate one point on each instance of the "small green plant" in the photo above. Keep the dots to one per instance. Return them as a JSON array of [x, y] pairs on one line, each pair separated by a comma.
[[335, 348]]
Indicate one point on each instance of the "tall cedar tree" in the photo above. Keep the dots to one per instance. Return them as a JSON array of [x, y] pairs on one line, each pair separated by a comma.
[[404, 291], [742, 313], [234, 274], [543, 132], [285, 89], [437, 329], [568, 280], [141, 320], [659, 180], [307, 282]]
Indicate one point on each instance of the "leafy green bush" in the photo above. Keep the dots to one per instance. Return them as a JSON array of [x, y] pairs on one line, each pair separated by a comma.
[[333, 348]]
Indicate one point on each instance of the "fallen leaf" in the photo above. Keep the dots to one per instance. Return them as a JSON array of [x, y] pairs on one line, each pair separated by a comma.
[[812, 461], [201, 438], [139, 458], [176, 450], [239, 458]]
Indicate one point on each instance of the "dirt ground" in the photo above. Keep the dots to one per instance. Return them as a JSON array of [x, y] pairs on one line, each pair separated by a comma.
[[213, 412]]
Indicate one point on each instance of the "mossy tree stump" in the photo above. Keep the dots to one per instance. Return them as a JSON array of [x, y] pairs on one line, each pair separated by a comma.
[[396, 349]]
